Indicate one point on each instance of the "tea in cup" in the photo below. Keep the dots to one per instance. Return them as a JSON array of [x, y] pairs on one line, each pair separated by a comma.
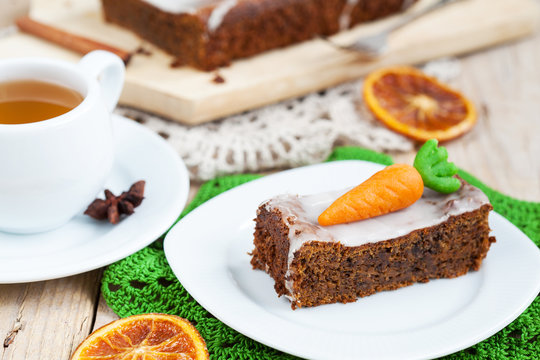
[[27, 101], [56, 141]]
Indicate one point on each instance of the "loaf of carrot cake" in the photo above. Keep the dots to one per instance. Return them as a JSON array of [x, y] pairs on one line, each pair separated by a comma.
[[210, 33], [439, 236]]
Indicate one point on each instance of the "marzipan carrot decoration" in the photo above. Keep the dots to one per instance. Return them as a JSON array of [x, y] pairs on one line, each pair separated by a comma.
[[391, 189]]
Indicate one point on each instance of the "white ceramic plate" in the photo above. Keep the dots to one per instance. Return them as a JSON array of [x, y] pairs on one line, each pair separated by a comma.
[[85, 244], [207, 251]]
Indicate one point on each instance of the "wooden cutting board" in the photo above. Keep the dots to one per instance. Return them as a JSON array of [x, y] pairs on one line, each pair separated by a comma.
[[191, 97]]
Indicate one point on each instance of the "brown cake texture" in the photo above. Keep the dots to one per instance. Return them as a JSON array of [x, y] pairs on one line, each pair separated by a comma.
[[325, 272], [244, 27]]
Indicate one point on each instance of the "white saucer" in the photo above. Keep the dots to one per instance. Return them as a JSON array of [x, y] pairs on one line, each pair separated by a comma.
[[85, 244]]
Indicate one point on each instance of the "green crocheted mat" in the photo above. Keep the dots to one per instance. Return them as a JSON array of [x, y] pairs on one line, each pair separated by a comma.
[[144, 282]]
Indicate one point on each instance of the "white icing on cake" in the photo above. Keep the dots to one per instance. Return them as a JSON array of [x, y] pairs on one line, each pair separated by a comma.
[[301, 214], [178, 6], [219, 12], [406, 4], [345, 18], [223, 7]]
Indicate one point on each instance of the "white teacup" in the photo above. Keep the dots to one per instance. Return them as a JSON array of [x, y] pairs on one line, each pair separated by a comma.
[[51, 170]]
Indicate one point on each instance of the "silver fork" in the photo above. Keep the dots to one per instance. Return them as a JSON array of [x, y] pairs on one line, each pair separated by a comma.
[[372, 46]]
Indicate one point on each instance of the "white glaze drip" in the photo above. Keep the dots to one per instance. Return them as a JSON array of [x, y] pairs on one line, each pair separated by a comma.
[[407, 4], [219, 13], [179, 6], [345, 17], [215, 20], [301, 213]]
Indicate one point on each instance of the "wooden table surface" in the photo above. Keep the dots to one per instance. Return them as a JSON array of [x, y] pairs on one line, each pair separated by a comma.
[[48, 319]]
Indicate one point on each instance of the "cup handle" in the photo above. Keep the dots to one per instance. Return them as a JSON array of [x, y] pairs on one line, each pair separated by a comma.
[[109, 69]]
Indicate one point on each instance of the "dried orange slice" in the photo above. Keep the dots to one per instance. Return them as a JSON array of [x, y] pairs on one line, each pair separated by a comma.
[[141, 337], [416, 105]]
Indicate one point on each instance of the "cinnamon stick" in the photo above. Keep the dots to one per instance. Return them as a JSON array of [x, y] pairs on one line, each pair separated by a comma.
[[70, 41]]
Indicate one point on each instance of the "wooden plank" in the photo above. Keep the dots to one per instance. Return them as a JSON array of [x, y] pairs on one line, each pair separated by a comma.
[[104, 314], [12, 9], [48, 319], [190, 96], [504, 148]]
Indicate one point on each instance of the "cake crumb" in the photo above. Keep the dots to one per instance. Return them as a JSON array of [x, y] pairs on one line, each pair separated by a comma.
[[176, 63], [218, 79], [142, 51]]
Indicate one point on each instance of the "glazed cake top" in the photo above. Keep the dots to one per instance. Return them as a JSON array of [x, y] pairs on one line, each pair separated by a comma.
[[220, 10], [301, 213], [222, 7], [182, 6]]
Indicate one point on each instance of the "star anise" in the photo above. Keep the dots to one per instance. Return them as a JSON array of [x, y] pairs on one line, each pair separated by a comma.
[[114, 206]]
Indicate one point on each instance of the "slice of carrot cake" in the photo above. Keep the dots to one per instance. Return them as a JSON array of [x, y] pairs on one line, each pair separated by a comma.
[[439, 236]]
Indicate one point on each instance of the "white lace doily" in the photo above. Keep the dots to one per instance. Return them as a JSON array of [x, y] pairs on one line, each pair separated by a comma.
[[288, 134]]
